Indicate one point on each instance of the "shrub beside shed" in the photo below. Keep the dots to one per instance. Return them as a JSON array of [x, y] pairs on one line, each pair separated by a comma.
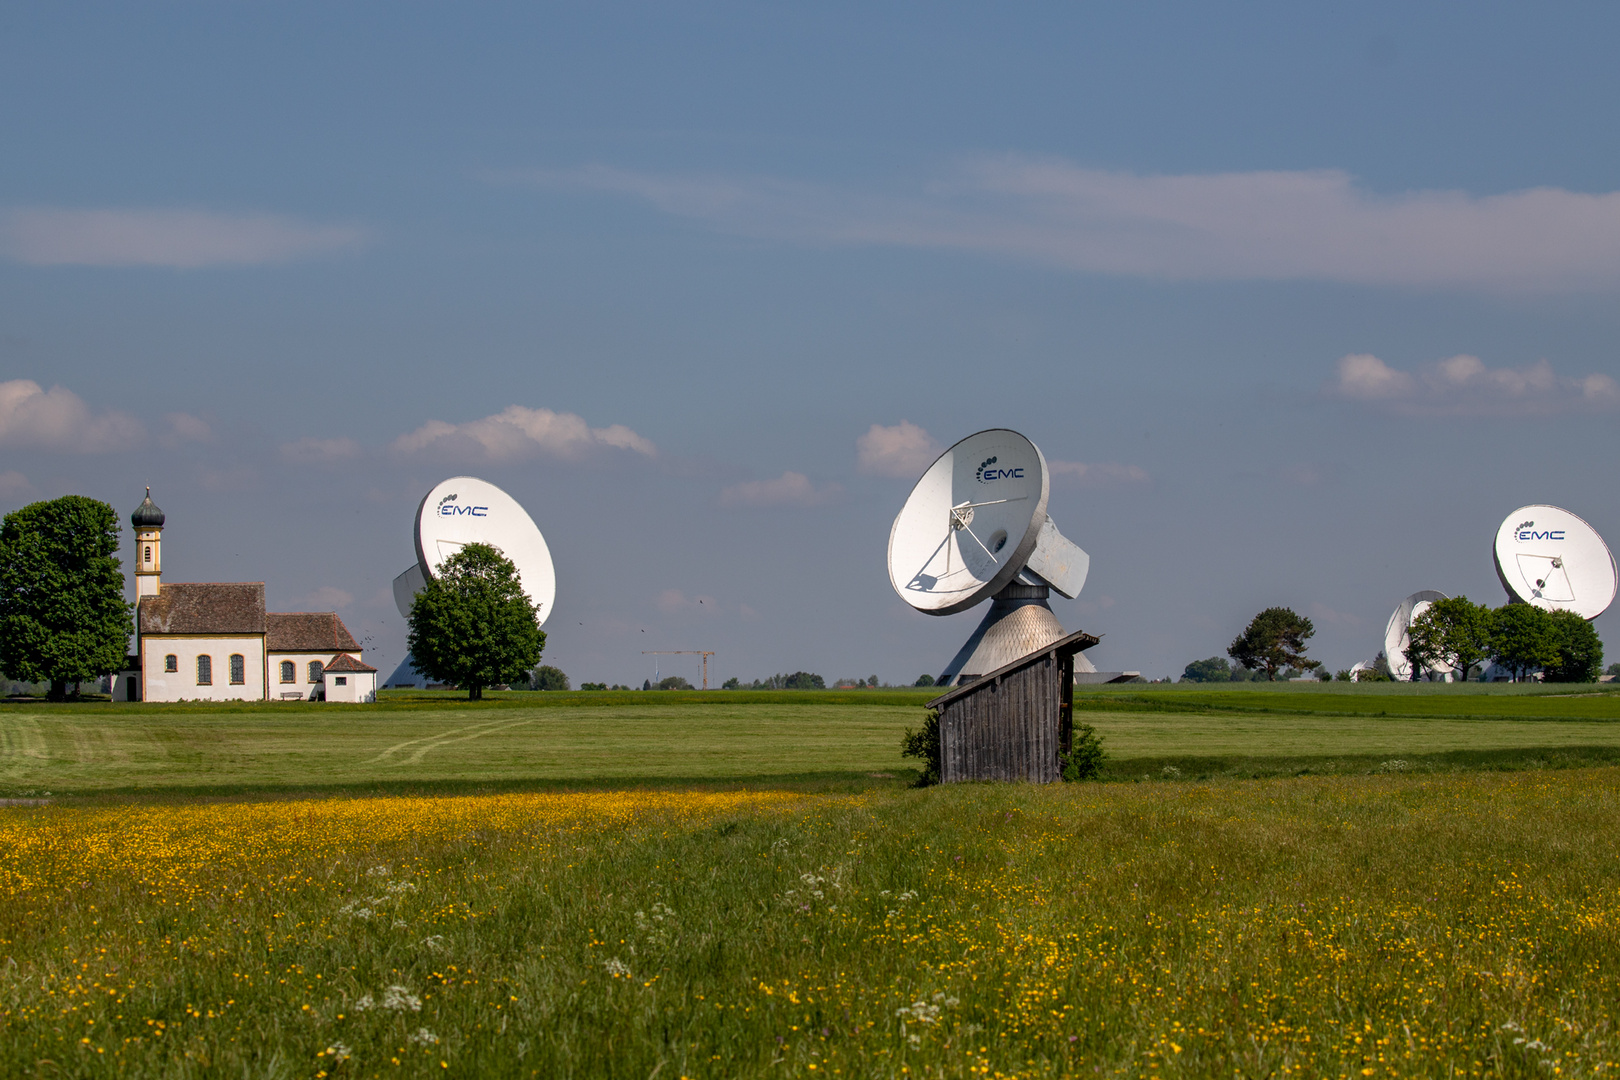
[[1015, 722]]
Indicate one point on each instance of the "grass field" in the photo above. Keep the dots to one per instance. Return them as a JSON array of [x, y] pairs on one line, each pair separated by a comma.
[[1461, 924], [817, 738], [1421, 882]]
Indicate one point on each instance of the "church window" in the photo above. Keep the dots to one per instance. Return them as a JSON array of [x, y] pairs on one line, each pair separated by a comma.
[[238, 669], [341, 680], [289, 671], [148, 552], [205, 671], [171, 663], [315, 670]]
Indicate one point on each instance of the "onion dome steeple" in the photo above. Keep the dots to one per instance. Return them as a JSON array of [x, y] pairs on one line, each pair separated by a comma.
[[147, 515]]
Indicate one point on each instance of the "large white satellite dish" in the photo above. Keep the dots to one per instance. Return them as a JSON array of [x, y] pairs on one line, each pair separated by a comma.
[[1397, 639], [1548, 557], [975, 526], [464, 510]]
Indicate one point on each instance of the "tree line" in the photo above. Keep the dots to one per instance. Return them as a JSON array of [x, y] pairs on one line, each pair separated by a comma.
[[1455, 635]]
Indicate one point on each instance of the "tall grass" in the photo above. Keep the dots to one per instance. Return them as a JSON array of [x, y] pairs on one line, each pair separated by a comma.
[[1343, 926]]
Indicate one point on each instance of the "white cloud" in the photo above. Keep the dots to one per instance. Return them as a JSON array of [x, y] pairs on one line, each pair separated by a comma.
[[52, 236], [1463, 385], [58, 419], [313, 451], [327, 598], [183, 428], [671, 601], [789, 489], [1100, 474], [518, 432], [13, 482], [903, 450], [1312, 225]]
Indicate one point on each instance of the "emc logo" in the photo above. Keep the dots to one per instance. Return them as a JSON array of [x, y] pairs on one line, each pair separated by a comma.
[[449, 508], [985, 474]]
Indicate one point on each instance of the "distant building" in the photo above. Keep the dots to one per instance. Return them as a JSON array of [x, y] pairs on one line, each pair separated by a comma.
[[215, 642]]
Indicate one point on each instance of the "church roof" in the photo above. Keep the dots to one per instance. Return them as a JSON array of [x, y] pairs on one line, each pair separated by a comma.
[[147, 515], [190, 608], [344, 662], [306, 631]]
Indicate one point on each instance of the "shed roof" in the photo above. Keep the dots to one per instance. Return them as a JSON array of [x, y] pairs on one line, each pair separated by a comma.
[[192, 608], [1064, 646], [307, 631], [345, 662]]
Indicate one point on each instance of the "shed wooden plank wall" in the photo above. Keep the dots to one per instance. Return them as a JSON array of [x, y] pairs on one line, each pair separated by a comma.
[[1007, 729]]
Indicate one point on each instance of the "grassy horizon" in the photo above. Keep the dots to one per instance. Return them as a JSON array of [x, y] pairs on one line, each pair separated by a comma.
[[810, 740]]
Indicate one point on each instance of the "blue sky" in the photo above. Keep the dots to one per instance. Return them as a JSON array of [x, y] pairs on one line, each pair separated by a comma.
[[1305, 302]]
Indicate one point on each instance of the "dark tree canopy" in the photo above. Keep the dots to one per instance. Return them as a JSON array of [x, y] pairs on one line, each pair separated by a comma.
[[1274, 639], [1523, 639], [1215, 669], [1579, 651], [63, 616], [546, 677], [1454, 633], [472, 625], [672, 682]]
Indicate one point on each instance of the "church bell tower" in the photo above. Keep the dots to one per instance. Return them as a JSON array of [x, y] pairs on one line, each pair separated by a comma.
[[148, 522]]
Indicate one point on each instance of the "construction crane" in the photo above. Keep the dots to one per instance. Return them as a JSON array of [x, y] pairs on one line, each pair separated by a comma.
[[683, 652]]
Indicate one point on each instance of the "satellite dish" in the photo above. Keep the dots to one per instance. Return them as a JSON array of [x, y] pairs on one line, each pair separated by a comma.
[[1548, 557], [1396, 638], [465, 510], [975, 527]]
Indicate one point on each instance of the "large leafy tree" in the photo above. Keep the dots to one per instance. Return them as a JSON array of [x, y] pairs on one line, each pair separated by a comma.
[[63, 616], [1274, 639], [1578, 647], [472, 625], [1215, 669], [1454, 633], [1523, 639]]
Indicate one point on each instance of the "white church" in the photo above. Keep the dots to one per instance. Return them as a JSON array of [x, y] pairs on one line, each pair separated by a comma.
[[215, 641]]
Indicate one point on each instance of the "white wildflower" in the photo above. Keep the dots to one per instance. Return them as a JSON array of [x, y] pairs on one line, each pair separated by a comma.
[[378, 871], [398, 998], [338, 1052], [364, 1003], [1394, 765], [423, 1037], [1170, 772], [617, 969], [436, 942]]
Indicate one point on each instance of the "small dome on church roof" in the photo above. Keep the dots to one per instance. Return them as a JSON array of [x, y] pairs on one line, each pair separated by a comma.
[[147, 515]]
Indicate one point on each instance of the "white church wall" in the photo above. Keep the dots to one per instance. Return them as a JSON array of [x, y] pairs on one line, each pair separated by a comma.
[[302, 685], [181, 684]]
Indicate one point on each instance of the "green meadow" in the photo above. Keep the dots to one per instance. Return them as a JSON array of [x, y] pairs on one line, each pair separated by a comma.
[[841, 738], [1288, 881]]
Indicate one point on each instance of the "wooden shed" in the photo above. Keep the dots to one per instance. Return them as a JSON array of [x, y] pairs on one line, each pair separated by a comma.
[[1014, 722]]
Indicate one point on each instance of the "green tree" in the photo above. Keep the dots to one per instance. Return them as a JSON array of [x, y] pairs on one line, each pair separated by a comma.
[[804, 680], [546, 677], [1523, 639], [1273, 640], [1215, 669], [673, 682], [472, 625], [63, 616], [732, 683], [1454, 633], [1579, 650], [924, 680]]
